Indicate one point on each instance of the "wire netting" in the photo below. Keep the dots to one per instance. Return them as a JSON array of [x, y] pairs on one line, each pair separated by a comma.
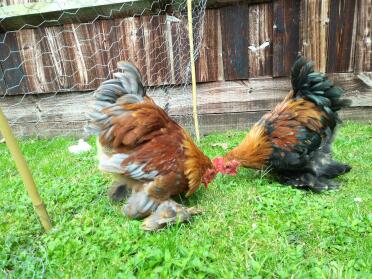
[[52, 61]]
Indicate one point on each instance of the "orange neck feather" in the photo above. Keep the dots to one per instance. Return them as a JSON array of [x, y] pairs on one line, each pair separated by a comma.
[[254, 151], [196, 164]]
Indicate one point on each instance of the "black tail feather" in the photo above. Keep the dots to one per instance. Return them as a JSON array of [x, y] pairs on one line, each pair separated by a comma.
[[317, 88]]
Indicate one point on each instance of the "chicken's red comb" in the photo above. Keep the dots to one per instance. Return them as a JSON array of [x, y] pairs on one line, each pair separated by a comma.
[[218, 162]]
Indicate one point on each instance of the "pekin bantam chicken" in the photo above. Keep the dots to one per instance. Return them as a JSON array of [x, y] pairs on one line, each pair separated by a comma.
[[294, 140], [151, 156]]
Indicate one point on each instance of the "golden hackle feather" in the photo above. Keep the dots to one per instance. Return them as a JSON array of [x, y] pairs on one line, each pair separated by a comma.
[[254, 150], [195, 165]]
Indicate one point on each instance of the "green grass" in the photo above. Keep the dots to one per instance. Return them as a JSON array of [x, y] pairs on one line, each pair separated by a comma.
[[251, 226]]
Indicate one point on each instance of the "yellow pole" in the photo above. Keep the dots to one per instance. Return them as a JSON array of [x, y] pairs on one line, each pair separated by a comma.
[[193, 75], [24, 171]]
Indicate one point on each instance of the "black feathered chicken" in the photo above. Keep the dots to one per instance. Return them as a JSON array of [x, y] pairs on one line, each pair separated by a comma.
[[294, 140]]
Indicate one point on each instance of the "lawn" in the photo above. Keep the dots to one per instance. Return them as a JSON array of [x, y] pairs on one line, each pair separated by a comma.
[[251, 226]]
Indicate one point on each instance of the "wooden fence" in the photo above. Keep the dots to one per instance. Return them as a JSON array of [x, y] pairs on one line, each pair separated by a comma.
[[249, 41]]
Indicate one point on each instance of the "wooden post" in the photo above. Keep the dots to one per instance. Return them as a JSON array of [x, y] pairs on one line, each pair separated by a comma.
[[193, 75], [24, 171]]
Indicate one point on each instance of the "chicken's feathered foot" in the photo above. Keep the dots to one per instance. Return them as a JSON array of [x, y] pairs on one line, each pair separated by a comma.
[[309, 181], [319, 177], [167, 213], [160, 214], [335, 169], [140, 205]]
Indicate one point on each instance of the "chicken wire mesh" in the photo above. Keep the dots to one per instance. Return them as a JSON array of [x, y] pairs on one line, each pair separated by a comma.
[[50, 66]]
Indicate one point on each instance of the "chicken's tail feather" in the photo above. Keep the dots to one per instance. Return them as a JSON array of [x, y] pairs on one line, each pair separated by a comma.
[[317, 88], [125, 88]]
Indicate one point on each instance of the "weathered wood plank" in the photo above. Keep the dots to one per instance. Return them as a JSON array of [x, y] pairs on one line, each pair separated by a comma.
[[341, 38], [358, 89], [156, 49], [260, 32], [88, 53], [46, 69], [85, 47], [221, 122], [314, 31], [80, 56], [62, 67], [171, 58], [360, 114], [221, 105], [12, 77], [32, 15], [143, 42], [209, 123], [224, 3], [73, 58], [130, 43], [216, 122], [107, 50], [206, 65], [221, 75], [27, 42], [235, 32], [285, 35], [3, 88], [36, 60], [180, 50], [363, 55], [232, 96]]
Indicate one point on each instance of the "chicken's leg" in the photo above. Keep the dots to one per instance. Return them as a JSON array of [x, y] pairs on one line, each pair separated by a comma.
[[118, 191], [168, 212]]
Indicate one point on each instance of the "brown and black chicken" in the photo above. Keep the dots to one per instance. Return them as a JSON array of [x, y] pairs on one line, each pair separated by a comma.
[[151, 156], [294, 140]]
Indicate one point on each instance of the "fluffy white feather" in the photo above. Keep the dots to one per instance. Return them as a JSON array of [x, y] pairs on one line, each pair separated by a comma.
[[81, 147]]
